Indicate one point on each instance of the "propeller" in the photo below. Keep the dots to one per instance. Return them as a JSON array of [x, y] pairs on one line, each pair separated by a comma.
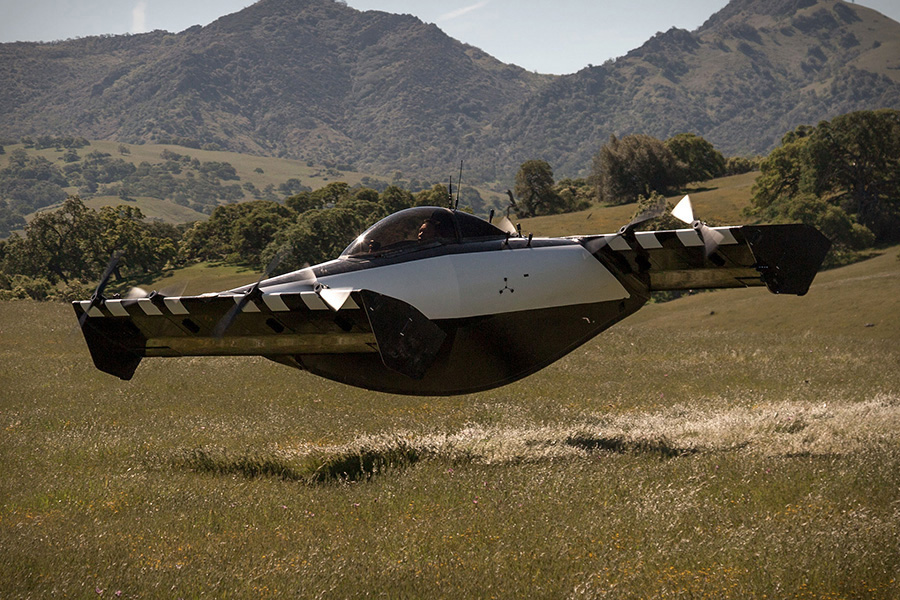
[[651, 212], [97, 298], [711, 238], [333, 298], [135, 293], [505, 224], [254, 293]]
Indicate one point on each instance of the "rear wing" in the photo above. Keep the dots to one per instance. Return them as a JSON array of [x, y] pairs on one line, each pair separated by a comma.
[[784, 258]]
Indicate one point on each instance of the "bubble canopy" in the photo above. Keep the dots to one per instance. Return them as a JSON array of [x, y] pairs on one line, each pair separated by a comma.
[[421, 227]]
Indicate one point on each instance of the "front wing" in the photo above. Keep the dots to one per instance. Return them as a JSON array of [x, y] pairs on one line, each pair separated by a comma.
[[120, 332]]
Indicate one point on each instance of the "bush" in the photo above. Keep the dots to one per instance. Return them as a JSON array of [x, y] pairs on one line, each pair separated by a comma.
[[37, 288]]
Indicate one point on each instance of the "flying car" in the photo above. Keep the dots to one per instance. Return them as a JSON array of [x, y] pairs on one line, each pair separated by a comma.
[[434, 301]]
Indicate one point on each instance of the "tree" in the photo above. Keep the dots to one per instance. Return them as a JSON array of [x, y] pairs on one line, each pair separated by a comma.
[[329, 195], [238, 232], [394, 198], [737, 165], [438, 195], [317, 236], [575, 194], [635, 165], [123, 228], [698, 159], [779, 174], [855, 161], [60, 245], [255, 229], [851, 163], [535, 194], [75, 242]]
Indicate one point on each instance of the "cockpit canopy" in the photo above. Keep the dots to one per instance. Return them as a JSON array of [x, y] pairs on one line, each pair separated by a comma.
[[420, 227]]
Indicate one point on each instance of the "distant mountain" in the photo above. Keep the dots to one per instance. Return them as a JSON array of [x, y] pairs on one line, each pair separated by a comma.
[[753, 71], [316, 79]]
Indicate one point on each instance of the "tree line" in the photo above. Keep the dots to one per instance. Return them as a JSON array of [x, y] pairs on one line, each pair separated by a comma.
[[64, 250], [841, 176], [623, 171]]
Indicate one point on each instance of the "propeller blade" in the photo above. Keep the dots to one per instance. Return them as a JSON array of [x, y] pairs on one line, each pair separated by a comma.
[[711, 239], [648, 214], [506, 225], [307, 276], [651, 212], [596, 245], [135, 293], [174, 289], [273, 264], [335, 299], [113, 263], [683, 211], [226, 321], [97, 296]]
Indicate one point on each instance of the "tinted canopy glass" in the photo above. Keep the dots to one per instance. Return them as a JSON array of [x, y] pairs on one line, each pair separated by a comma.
[[420, 227]]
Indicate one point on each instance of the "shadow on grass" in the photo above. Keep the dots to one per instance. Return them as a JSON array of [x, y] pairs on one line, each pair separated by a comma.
[[353, 465], [619, 445]]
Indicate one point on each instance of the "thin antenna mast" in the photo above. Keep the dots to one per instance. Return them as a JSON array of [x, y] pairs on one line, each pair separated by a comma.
[[459, 184]]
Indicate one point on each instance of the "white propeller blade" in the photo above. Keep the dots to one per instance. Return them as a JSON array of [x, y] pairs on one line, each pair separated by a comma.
[[335, 298], [506, 225], [135, 293], [683, 211]]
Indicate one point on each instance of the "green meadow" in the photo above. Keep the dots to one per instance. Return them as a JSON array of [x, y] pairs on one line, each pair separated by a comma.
[[731, 444]]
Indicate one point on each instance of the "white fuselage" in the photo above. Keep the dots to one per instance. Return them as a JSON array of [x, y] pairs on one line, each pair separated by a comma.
[[484, 283]]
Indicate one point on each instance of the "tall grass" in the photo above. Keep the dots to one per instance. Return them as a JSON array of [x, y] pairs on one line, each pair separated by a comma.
[[752, 452]]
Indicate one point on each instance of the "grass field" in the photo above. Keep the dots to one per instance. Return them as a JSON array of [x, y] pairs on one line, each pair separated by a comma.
[[732, 444]]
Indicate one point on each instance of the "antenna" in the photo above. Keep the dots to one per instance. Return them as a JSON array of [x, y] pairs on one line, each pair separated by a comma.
[[458, 184], [451, 193]]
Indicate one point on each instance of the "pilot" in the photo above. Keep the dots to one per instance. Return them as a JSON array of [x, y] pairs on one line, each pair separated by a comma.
[[435, 227]]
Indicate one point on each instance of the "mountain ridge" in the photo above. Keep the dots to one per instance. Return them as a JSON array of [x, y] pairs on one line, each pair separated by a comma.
[[317, 80]]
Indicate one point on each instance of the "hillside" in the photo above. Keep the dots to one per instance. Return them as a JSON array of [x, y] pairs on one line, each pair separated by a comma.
[[168, 182], [309, 79], [718, 201], [317, 80], [753, 71]]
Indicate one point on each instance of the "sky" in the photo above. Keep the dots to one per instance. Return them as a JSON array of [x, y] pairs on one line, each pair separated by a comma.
[[546, 36]]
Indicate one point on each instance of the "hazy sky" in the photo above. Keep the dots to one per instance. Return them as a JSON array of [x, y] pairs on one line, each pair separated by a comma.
[[547, 36]]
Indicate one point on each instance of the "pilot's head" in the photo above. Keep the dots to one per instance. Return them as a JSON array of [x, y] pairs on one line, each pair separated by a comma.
[[438, 225], [428, 230]]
